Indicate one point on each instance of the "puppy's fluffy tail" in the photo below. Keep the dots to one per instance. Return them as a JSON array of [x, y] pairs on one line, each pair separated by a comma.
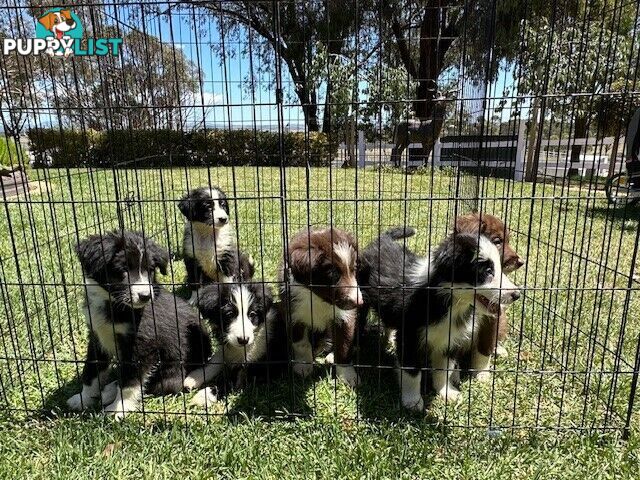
[[397, 233]]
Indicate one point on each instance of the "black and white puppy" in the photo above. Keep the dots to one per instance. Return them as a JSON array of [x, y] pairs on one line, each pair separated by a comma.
[[430, 301], [209, 247], [321, 293], [247, 325], [153, 337]]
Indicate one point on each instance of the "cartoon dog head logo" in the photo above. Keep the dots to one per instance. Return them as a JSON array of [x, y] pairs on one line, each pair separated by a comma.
[[59, 23]]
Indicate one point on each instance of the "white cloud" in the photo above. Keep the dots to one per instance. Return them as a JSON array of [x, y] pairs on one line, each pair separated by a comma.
[[209, 98]]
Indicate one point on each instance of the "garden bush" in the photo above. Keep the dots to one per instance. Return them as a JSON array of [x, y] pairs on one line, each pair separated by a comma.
[[152, 148], [10, 154]]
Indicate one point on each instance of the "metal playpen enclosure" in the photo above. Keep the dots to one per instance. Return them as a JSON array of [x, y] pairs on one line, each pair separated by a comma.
[[293, 108]]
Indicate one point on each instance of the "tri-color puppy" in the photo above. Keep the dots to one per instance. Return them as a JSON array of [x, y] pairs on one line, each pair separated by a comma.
[[152, 337], [248, 327], [429, 302], [489, 330], [320, 292], [209, 243]]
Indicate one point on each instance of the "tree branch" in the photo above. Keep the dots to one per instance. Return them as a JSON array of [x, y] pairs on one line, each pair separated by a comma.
[[403, 46], [247, 18]]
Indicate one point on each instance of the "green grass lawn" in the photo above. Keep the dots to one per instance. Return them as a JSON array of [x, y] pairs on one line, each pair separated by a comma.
[[555, 406]]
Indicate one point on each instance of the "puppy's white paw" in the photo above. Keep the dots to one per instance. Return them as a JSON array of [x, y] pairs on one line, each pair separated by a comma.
[[483, 376], [109, 392], [204, 398], [303, 369], [449, 394], [501, 351], [78, 401], [329, 359], [413, 402], [348, 375], [119, 408], [193, 381]]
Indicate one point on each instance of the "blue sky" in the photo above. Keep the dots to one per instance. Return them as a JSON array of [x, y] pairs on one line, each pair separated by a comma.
[[223, 87]]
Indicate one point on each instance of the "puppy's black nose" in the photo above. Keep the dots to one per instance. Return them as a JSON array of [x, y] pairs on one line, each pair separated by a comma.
[[515, 295], [144, 297], [70, 22], [243, 340], [222, 220], [519, 262]]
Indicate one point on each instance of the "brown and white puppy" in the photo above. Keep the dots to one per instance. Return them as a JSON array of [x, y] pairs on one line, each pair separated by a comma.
[[320, 290], [490, 330]]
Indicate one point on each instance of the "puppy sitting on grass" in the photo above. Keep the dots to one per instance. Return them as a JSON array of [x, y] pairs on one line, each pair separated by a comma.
[[152, 337]]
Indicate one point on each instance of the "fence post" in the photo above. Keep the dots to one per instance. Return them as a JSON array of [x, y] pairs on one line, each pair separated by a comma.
[[437, 150], [613, 159], [362, 149], [518, 173]]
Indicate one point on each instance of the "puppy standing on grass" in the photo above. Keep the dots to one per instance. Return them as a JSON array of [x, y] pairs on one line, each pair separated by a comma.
[[209, 246], [489, 331], [152, 336], [429, 302], [320, 290]]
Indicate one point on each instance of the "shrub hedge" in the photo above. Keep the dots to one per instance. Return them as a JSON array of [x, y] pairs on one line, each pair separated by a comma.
[[151, 148], [10, 153]]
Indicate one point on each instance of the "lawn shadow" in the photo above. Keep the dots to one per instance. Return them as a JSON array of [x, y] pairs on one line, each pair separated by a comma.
[[55, 403], [265, 391], [378, 392], [621, 214]]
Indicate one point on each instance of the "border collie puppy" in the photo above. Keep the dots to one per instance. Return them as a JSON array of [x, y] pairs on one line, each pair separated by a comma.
[[431, 308], [153, 337], [247, 325], [489, 330], [320, 292], [209, 247]]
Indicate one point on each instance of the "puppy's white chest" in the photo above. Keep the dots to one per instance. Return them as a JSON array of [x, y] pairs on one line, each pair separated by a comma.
[[205, 253], [202, 244], [312, 311], [103, 328]]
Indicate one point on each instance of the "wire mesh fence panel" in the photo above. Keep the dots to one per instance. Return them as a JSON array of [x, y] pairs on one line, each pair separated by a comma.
[[313, 128]]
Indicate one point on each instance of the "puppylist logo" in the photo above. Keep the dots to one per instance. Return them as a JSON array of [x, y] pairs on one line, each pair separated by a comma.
[[59, 33]]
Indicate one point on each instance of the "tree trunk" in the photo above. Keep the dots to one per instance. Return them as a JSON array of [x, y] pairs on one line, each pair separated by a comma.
[[427, 64], [531, 167], [326, 117], [579, 131], [311, 117], [309, 108]]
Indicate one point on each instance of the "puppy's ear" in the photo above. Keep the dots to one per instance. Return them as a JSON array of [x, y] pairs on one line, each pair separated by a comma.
[[66, 14], [267, 297], [158, 256], [209, 301], [302, 261], [95, 252], [471, 223], [186, 206], [47, 20]]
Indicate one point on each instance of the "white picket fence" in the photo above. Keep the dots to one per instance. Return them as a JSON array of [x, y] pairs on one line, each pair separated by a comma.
[[553, 159]]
